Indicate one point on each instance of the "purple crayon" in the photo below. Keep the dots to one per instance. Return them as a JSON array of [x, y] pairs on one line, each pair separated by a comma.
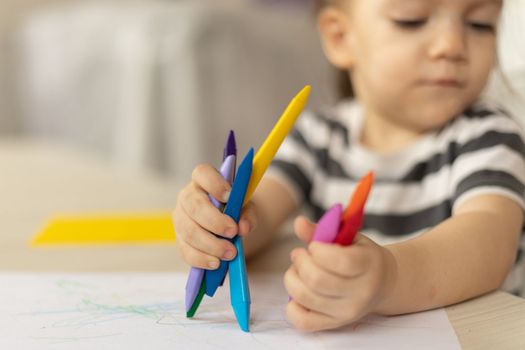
[[230, 149], [231, 146], [196, 274]]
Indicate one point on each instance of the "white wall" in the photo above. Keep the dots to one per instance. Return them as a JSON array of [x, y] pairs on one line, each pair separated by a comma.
[[512, 60], [512, 44]]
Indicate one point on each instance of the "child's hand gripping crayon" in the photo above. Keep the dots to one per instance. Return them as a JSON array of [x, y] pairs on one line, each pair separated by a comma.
[[318, 280], [336, 226], [195, 286], [213, 278]]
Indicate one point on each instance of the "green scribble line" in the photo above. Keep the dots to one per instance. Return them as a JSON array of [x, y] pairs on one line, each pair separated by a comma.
[[75, 288], [131, 309]]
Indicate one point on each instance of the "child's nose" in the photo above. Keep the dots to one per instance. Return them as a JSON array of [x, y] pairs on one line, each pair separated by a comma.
[[449, 41]]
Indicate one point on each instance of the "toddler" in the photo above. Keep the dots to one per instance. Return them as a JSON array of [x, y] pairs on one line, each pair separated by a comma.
[[444, 218]]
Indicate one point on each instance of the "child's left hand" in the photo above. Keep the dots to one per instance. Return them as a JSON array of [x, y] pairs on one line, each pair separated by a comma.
[[332, 285]]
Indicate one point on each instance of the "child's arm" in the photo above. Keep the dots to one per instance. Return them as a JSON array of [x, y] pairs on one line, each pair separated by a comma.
[[465, 256], [273, 204]]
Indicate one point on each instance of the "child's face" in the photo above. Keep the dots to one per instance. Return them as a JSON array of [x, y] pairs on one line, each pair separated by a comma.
[[419, 62]]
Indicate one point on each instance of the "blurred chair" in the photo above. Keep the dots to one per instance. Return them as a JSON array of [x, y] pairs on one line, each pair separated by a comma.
[[158, 84]]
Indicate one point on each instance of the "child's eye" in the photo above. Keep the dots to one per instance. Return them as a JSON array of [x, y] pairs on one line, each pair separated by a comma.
[[482, 27], [410, 23]]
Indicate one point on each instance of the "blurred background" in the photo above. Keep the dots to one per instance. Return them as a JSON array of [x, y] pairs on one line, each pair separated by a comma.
[[157, 84]]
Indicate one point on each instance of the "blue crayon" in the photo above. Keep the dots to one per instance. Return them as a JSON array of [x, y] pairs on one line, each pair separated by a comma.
[[239, 288], [233, 209]]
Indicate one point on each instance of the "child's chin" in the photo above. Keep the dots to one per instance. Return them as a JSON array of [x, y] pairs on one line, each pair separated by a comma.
[[436, 116]]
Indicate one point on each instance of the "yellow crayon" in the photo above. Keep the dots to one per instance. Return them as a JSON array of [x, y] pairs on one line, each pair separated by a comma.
[[265, 154]]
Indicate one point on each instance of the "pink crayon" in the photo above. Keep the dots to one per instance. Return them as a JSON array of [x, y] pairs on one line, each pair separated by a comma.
[[328, 226]]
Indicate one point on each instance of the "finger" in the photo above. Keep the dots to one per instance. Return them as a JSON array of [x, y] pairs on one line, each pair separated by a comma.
[[316, 278], [248, 220], [211, 181], [362, 240], [202, 240], [347, 262], [304, 228], [198, 208], [307, 320], [346, 309], [196, 258], [303, 295]]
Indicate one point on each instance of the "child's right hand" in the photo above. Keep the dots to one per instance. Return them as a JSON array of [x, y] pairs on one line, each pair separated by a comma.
[[195, 217]]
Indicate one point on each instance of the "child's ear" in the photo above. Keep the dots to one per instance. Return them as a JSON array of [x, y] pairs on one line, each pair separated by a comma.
[[333, 25]]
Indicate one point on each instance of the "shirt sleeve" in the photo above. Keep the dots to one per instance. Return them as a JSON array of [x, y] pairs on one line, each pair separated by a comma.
[[491, 162]]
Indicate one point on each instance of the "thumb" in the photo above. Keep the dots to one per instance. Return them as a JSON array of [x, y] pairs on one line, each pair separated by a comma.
[[304, 228]]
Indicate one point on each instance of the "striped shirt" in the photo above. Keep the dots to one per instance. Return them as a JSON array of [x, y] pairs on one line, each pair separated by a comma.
[[479, 152]]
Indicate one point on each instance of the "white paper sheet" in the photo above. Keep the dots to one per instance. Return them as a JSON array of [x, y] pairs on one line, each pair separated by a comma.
[[139, 311]]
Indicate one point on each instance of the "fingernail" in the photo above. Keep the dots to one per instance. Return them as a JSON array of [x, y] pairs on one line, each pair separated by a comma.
[[213, 264], [230, 232], [228, 255], [225, 196]]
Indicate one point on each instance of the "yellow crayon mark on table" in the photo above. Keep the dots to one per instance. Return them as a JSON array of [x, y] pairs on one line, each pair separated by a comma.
[[93, 229]]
